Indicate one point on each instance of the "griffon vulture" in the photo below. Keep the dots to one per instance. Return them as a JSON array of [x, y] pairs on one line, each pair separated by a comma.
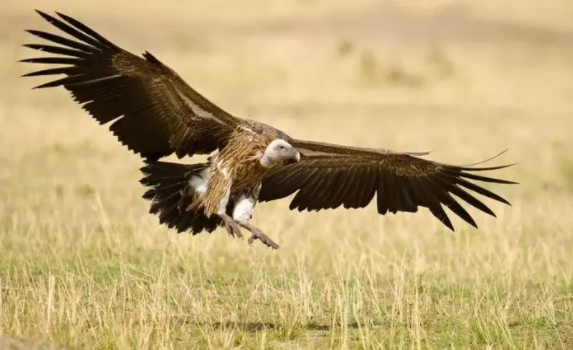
[[155, 113]]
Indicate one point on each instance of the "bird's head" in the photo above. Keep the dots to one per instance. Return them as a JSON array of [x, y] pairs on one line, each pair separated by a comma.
[[279, 152]]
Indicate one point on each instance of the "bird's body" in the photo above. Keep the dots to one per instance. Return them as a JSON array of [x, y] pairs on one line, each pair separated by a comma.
[[236, 171], [228, 185], [238, 166], [155, 113]]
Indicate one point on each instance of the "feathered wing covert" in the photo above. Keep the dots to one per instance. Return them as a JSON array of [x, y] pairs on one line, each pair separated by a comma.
[[155, 113], [329, 176]]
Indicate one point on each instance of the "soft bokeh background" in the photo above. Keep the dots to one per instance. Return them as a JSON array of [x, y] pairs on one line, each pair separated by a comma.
[[83, 265]]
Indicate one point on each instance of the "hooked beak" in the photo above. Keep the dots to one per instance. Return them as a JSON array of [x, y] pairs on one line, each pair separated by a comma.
[[295, 158]]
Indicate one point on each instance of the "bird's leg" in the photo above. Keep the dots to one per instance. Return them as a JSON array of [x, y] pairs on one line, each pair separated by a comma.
[[231, 226], [256, 233]]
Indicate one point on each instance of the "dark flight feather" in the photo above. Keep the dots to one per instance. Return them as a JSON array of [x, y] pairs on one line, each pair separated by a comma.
[[351, 177], [155, 112]]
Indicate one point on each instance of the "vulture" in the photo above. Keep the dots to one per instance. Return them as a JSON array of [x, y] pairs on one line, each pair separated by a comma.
[[154, 113]]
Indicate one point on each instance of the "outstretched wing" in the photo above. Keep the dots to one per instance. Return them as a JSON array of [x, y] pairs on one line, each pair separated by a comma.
[[329, 176], [154, 112]]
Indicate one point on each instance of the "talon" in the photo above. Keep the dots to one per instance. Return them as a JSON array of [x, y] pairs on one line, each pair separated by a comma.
[[264, 239], [235, 231], [258, 234], [231, 227]]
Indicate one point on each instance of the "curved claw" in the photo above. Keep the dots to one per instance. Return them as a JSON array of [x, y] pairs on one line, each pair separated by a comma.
[[257, 234], [231, 226], [233, 229]]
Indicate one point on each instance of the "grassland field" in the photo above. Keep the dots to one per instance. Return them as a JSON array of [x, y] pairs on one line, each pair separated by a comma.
[[84, 266]]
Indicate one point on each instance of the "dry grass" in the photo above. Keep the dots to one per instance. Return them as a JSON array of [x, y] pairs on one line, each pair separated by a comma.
[[82, 264]]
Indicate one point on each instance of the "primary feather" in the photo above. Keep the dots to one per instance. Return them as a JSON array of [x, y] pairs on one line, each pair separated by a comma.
[[329, 176], [154, 112]]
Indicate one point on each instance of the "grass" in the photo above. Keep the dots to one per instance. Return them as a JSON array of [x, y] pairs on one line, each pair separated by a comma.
[[83, 265]]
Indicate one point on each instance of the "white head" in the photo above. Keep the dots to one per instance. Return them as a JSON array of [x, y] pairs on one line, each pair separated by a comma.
[[279, 152]]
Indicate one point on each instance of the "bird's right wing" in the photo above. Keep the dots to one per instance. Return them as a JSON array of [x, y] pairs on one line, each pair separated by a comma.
[[154, 112], [329, 176]]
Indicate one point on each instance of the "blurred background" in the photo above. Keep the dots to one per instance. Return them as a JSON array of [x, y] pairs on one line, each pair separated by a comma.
[[464, 79]]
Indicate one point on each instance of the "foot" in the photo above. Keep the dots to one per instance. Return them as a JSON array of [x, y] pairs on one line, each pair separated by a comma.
[[231, 226], [260, 235]]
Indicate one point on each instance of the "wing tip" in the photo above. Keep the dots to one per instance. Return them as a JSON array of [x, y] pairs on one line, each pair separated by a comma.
[[490, 159], [450, 226], [45, 16], [63, 16]]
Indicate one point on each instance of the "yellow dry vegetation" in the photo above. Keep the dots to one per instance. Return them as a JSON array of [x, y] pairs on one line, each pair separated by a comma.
[[84, 266]]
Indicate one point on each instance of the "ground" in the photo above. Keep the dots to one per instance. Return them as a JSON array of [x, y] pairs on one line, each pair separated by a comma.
[[85, 267]]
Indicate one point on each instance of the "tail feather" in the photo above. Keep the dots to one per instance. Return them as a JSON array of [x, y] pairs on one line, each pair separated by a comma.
[[171, 195]]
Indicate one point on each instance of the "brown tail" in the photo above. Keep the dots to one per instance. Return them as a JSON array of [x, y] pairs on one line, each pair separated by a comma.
[[171, 195]]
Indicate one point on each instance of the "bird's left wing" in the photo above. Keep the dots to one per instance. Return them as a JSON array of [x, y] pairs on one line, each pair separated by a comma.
[[152, 110], [329, 176]]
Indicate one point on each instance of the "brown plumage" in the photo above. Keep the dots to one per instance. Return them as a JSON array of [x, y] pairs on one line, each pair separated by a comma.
[[236, 168], [155, 114]]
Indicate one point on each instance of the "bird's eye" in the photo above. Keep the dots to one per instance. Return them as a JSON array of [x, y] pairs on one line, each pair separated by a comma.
[[281, 147]]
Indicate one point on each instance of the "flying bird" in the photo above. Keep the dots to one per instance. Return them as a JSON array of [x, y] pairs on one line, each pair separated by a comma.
[[152, 111]]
